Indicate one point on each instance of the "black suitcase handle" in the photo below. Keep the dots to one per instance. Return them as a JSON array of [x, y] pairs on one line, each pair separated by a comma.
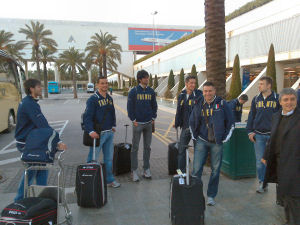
[[126, 125]]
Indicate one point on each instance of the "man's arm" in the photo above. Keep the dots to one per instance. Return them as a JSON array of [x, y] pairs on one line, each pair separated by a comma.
[[114, 115], [251, 117], [154, 106], [177, 122], [36, 116], [89, 115], [229, 122], [193, 123], [131, 104]]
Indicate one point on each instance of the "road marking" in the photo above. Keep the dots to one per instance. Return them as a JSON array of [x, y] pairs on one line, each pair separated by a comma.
[[78, 101], [66, 102], [7, 161], [165, 130], [62, 129], [156, 134], [60, 121], [6, 147], [8, 151], [169, 128], [57, 124]]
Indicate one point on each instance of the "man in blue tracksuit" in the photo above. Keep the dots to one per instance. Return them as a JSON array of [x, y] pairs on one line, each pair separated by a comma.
[[142, 111], [100, 109], [186, 101], [236, 106], [211, 125], [30, 117], [263, 106]]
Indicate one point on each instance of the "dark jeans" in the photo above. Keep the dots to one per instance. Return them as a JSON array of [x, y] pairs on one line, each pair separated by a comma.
[[184, 140], [292, 209]]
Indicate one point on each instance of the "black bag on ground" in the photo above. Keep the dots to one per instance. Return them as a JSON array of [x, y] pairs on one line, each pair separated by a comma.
[[122, 159], [33, 210], [186, 199], [173, 156], [91, 187]]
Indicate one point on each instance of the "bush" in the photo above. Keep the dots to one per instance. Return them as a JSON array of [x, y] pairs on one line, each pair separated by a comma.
[[236, 85], [155, 82], [194, 73], [150, 81], [181, 82], [168, 94]]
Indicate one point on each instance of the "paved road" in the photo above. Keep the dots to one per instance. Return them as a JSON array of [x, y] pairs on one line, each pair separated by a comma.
[[135, 204]]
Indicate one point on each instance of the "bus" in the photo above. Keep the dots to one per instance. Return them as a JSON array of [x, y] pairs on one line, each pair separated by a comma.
[[11, 76], [53, 87]]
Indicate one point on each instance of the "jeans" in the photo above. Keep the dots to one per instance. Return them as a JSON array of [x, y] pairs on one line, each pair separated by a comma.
[[41, 177], [146, 129], [200, 155], [184, 140], [259, 146], [106, 144]]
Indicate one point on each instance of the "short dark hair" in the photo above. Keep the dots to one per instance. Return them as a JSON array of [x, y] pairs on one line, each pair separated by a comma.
[[244, 97], [269, 80], [100, 78], [30, 83], [208, 84], [187, 79], [141, 74]]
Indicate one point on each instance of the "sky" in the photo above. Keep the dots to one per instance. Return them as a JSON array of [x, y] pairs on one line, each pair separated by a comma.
[[170, 12]]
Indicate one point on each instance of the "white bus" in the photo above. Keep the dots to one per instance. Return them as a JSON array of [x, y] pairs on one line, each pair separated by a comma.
[[10, 90]]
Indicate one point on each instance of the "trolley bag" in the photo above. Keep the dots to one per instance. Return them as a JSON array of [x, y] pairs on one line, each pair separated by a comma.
[[173, 156], [186, 199], [30, 211], [121, 160], [91, 189]]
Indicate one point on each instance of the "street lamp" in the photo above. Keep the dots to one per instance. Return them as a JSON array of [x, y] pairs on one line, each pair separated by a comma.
[[153, 43]]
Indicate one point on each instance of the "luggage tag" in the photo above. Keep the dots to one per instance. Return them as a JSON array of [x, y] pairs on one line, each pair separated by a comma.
[[181, 181], [127, 146]]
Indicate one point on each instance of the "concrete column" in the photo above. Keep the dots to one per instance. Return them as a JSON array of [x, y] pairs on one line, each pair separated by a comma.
[[90, 75], [26, 69], [56, 73], [279, 75], [134, 56], [121, 81], [201, 79]]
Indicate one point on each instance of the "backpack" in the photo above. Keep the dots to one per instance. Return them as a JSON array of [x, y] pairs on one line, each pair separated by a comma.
[[40, 145]]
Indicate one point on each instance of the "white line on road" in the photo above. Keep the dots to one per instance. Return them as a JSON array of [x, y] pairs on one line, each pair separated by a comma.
[[58, 124], [78, 101], [8, 151], [60, 121], [7, 161], [66, 102], [6, 147], [62, 129]]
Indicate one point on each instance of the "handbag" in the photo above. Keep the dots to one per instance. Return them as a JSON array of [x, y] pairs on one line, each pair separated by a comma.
[[87, 139], [210, 134]]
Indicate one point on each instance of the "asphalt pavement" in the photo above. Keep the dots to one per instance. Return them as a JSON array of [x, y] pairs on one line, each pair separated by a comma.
[[148, 201]]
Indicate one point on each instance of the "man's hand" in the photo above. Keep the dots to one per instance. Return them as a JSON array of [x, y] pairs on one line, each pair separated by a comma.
[[113, 129], [153, 122], [263, 161], [251, 137], [135, 123], [174, 126], [94, 135], [62, 146]]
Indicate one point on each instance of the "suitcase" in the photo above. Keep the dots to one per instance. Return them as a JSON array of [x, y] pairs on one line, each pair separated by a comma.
[[186, 200], [121, 160], [91, 188], [173, 156], [30, 211]]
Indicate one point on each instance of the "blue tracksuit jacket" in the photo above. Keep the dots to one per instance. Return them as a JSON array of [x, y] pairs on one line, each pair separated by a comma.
[[96, 106], [219, 117], [141, 104], [185, 107], [237, 110], [260, 116]]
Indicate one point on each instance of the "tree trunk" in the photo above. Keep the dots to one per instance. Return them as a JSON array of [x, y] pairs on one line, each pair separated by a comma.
[[100, 71], [104, 66], [215, 44], [45, 80], [74, 82]]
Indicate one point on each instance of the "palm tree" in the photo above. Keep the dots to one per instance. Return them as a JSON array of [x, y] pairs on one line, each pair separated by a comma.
[[103, 48], [38, 36], [72, 60], [46, 55], [5, 39], [14, 49], [215, 44]]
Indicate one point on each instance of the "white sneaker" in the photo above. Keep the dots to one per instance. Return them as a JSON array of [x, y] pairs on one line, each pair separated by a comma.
[[135, 176], [114, 184], [210, 201], [147, 174], [260, 188]]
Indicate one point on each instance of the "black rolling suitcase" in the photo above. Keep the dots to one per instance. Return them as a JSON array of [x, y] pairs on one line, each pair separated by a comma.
[[173, 156], [121, 160], [30, 211], [91, 188], [187, 200]]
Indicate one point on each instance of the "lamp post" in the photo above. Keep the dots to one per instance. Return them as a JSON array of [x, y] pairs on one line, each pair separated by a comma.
[[153, 43]]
